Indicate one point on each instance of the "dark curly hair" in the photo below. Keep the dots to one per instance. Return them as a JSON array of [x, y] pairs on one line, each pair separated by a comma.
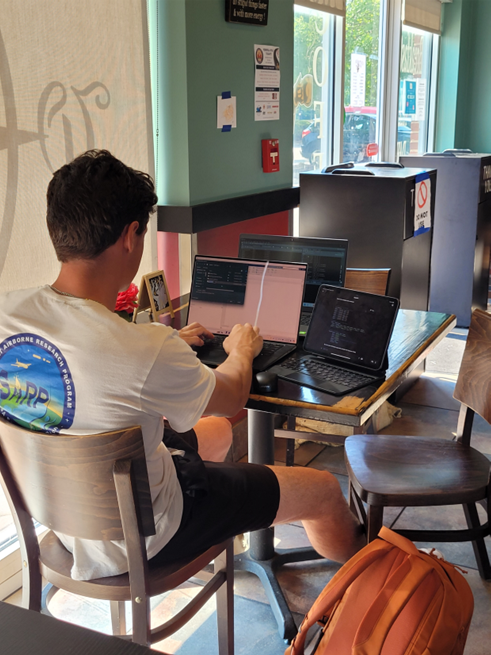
[[91, 200]]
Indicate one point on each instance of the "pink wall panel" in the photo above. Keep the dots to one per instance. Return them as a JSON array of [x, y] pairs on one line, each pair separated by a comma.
[[168, 260], [225, 240]]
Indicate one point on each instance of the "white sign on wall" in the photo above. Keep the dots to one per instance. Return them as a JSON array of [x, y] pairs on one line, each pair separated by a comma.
[[266, 83]]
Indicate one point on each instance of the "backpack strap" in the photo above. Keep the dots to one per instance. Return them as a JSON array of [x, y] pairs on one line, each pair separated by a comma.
[[445, 570], [335, 590]]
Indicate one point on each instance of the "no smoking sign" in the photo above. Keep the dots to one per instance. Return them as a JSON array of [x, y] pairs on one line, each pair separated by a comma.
[[422, 204]]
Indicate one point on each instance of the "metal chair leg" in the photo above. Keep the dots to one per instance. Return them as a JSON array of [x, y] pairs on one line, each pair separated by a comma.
[[225, 601]]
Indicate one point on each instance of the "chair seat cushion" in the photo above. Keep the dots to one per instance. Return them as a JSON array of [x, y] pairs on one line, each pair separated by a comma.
[[404, 471]]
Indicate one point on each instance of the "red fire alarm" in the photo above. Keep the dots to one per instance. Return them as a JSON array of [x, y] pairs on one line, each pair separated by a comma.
[[271, 155]]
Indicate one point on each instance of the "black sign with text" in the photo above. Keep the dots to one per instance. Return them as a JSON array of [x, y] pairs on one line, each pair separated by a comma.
[[254, 12]]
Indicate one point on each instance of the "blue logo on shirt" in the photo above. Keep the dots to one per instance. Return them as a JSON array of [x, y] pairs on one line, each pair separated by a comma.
[[36, 386]]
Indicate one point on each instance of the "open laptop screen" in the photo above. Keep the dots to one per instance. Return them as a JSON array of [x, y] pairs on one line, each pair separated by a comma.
[[351, 326], [226, 291], [326, 258]]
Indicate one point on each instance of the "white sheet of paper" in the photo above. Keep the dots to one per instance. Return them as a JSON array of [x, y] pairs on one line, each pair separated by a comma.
[[226, 112]]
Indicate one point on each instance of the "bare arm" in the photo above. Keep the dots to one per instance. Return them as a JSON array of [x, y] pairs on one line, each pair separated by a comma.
[[233, 377]]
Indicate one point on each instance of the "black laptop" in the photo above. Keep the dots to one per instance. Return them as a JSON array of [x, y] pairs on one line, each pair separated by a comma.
[[226, 291], [346, 344], [326, 260]]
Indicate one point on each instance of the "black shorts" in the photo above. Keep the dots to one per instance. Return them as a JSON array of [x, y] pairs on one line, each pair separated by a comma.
[[221, 500]]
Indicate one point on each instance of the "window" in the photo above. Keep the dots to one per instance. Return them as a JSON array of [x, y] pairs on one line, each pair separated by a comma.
[[361, 80], [313, 90], [414, 124], [384, 106]]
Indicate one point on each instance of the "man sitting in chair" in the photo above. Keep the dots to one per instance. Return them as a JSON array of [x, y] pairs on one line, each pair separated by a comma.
[[69, 364]]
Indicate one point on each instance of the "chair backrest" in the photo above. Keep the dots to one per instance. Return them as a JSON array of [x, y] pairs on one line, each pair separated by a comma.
[[67, 482], [371, 280], [473, 387]]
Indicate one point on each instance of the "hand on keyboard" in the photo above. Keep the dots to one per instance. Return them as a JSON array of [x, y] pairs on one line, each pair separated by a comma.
[[244, 336], [195, 334]]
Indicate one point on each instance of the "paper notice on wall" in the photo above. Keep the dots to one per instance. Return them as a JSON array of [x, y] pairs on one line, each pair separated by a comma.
[[266, 83], [422, 204], [226, 111]]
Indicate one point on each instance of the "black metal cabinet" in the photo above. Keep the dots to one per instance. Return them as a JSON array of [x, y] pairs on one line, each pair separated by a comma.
[[462, 236], [373, 207]]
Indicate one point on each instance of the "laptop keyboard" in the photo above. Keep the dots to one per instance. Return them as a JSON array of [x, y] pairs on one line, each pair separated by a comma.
[[326, 372], [269, 347], [216, 341]]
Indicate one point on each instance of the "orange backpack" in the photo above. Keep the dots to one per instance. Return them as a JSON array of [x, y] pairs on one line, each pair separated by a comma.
[[390, 599]]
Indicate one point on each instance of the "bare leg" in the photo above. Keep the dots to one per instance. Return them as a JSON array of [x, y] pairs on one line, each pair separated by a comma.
[[315, 498], [214, 438]]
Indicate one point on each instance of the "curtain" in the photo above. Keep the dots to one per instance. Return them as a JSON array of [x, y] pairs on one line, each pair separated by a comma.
[[423, 14], [330, 6], [73, 76]]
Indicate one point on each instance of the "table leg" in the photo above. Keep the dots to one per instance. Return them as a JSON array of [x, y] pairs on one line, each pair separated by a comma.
[[262, 559], [260, 427]]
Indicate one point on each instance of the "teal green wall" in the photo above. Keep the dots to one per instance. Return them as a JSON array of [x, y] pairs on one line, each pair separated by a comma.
[[200, 56], [475, 106], [465, 76], [170, 104], [448, 85], [464, 97]]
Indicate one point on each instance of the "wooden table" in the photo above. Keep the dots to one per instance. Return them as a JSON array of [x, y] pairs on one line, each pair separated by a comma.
[[26, 632], [415, 335]]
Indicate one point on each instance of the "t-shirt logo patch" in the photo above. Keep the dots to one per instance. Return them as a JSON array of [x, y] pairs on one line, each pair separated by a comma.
[[36, 386]]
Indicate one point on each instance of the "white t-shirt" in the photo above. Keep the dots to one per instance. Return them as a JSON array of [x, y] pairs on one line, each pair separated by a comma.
[[70, 365]]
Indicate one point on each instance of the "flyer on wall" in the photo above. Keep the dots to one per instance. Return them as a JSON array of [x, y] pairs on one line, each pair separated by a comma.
[[267, 83]]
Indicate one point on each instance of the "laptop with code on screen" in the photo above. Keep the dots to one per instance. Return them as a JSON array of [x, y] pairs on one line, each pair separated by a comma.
[[226, 291], [346, 345], [325, 259]]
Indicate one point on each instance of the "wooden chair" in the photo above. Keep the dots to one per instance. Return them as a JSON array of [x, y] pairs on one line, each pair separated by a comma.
[[371, 280], [96, 487], [399, 471]]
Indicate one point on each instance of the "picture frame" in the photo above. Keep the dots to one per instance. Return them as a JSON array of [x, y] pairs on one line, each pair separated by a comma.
[[154, 295]]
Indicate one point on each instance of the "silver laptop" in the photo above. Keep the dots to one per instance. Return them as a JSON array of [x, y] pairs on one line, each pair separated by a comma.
[[325, 259], [226, 291]]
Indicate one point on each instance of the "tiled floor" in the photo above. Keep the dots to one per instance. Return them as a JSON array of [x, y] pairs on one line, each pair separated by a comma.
[[428, 408]]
